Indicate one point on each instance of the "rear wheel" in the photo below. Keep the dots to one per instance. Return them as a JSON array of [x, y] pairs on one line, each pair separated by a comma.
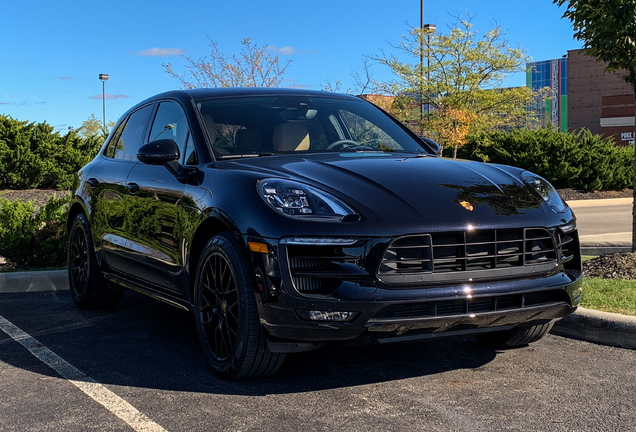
[[516, 337], [226, 315], [88, 287]]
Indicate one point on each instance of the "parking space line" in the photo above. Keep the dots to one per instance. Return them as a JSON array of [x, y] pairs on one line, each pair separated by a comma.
[[113, 403]]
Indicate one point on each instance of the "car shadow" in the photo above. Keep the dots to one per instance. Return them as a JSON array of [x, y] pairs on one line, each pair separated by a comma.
[[145, 343]]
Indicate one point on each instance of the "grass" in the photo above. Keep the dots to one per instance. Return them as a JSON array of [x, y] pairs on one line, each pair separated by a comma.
[[609, 295]]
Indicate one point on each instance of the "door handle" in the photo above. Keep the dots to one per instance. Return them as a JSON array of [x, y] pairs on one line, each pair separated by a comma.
[[133, 188]]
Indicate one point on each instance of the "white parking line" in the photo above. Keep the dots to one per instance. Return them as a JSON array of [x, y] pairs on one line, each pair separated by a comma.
[[113, 403]]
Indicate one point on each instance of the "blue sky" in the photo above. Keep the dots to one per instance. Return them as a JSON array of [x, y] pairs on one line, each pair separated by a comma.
[[53, 52]]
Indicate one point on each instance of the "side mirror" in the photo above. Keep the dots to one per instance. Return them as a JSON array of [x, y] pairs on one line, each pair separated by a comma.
[[159, 152], [437, 149]]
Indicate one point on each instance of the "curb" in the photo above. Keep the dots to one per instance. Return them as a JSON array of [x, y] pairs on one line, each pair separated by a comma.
[[599, 202], [601, 250], [585, 324], [599, 327], [35, 281]]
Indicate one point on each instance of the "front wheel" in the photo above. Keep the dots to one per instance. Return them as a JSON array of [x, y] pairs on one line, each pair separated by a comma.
[[516, 337], [88, 287], [226, 315]]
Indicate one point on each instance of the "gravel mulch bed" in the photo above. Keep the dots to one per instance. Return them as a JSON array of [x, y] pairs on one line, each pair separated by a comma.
[[621, 265], [39, 197], [572, 194]]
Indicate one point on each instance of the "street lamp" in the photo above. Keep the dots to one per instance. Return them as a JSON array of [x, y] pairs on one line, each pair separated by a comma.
[[103, 78]]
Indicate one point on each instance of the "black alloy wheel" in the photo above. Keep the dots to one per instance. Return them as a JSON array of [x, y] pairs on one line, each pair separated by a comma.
[[226, 315], [219, 306], [88, 287]]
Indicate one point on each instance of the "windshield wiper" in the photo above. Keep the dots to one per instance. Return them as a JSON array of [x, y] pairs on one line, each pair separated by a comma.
[[246, 155]]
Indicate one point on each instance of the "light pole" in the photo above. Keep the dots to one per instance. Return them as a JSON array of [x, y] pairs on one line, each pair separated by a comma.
[[103, 78], [421, 63], [427, 29], [430, 29]]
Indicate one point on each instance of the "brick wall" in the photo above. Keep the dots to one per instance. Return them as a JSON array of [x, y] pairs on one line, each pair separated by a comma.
[[589, 89]]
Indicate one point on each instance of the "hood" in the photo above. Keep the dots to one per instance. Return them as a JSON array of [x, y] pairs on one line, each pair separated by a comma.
[[388, 187]]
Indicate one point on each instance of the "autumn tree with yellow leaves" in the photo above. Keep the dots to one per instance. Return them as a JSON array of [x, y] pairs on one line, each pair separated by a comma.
[[458, 75]]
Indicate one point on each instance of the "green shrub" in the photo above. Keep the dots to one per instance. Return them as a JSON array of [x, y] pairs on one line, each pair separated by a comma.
[[576, 160], [32, 155], [34, 239]]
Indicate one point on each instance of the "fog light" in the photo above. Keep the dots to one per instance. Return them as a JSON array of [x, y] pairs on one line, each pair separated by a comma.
[[332, 316]]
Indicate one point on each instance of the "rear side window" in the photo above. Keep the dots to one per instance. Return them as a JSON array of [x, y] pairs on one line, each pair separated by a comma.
[[129, 136]]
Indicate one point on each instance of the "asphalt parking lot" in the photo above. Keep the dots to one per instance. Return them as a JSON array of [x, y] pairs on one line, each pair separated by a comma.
[[144, 371]]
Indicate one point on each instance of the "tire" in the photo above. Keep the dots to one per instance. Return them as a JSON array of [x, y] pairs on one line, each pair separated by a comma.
[[88, 287], [516, 337], [226, 315]]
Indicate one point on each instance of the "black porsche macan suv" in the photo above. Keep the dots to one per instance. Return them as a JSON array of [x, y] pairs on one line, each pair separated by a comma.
[[286, 219]]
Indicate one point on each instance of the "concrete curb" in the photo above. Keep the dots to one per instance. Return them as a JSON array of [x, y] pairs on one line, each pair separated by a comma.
[[601, 250], [36, 281], [585, 324], [599, 202], [599, 327]]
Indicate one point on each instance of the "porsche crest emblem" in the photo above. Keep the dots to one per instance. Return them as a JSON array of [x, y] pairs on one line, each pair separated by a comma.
[[468, 206]]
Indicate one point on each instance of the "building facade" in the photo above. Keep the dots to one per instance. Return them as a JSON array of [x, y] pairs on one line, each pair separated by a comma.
[[551, 75], [599, 101], [581, 95]]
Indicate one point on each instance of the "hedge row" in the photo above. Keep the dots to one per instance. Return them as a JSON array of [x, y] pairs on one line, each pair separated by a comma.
[[580, 161], [32, 238], [33, 156]]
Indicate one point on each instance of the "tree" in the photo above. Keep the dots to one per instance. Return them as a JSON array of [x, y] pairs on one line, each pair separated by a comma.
[[607, 29], [463, 75], [452, 125], [93, 127], [252, 67], [362, 81], [33, 155]]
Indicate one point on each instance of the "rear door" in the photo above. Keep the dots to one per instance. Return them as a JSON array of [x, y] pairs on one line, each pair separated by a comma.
[[107, 181]]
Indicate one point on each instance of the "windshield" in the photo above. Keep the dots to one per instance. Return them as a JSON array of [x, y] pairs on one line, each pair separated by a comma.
[[265, 125]]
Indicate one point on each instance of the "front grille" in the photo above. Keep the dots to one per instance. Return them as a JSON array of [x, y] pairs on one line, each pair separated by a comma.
[[480, 251], [472, 306]]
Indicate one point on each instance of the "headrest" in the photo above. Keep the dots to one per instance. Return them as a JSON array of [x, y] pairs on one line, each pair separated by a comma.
[[248, 140], [291, 137]]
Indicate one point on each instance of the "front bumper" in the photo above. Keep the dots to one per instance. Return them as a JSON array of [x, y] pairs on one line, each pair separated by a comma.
[[300, 283]]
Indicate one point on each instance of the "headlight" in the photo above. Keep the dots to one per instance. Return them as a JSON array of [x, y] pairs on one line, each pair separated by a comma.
[[546, 190], [305, 202]]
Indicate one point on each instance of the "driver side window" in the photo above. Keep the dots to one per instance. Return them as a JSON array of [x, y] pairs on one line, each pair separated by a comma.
[[171, 123], [366, 133]]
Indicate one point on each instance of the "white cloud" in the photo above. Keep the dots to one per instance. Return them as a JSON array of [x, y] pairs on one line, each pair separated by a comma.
[[286, 50], [161, 52], [109, 96], [64, 78]]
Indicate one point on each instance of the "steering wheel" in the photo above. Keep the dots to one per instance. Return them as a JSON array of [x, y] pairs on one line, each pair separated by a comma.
[[346, 144]]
